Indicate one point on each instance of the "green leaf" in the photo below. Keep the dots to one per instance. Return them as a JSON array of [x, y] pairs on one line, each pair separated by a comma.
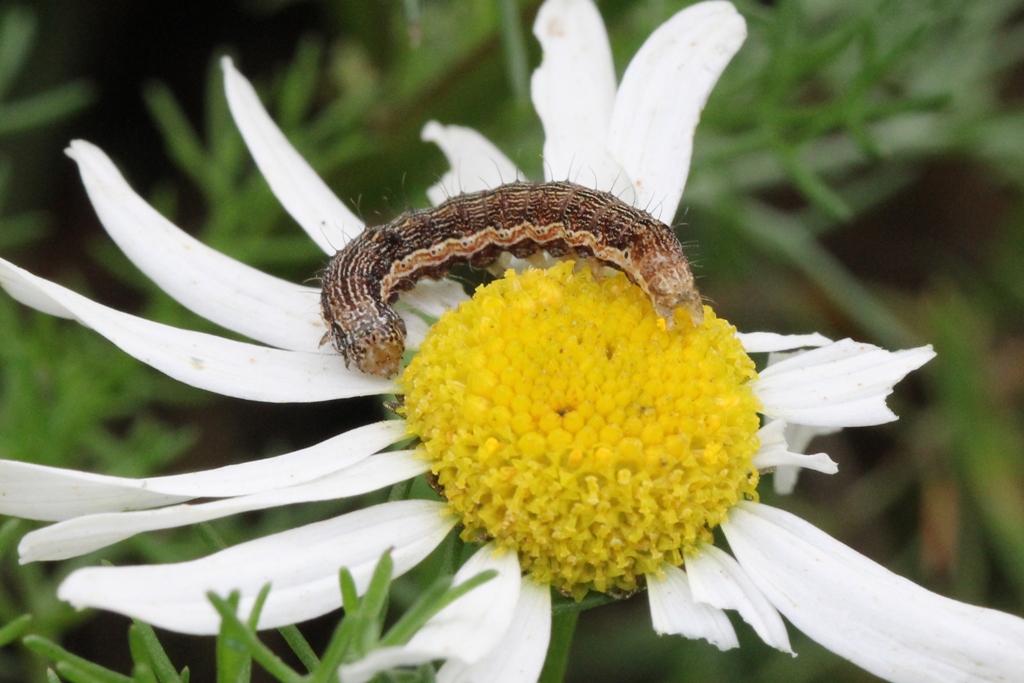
[[180, 137], [436, 597], [349, 594], [155, 654], [45, 108], [234, 662], [79, 667], [813, 187], [142, 673], [14, 629], [987, 436], [337, 649], [210, 536], [374, 605], [300, 647], [17, 33], [227, 153], [21, 229], [241, 637], [76, 674], [355, 635], [400, 491], [140, 657], [300, 84], [10, 532], [257, 608]]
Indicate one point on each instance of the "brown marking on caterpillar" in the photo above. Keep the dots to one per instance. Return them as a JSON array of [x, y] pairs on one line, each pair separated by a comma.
[[364, 279]]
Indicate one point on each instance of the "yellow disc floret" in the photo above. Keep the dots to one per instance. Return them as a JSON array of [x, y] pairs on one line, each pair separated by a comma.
[[563, 420]]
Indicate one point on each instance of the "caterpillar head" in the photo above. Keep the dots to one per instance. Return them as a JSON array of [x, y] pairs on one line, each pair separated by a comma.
[[372, 343], [671, 286]]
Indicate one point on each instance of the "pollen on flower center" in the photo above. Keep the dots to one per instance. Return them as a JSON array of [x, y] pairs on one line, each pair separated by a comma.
[[565, 422]]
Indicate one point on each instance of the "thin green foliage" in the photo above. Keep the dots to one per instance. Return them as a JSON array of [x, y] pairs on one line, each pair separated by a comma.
[[17, 34], [300, 647], [234, 659], [66, 662], [25, 113], [59, 392], [241, 642], [239, 646], [146, 649], [429, 603], [988, 441], [14, 629]]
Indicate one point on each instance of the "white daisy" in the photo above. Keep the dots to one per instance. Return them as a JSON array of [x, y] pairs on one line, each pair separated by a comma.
[[635, 139]]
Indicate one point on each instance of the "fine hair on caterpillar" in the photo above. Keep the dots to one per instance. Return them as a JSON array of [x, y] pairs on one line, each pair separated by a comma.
[[363, 280]]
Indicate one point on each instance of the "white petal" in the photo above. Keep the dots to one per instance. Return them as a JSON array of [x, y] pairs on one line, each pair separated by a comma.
[[573, 91], [661, 98], [476, 164], [473, 625], [843, 384], [217, 287], [382, 659], [798, 437], [762, 342], [881, 622], [81, 535], [819, 462], [51, 493], [774, 452], [434, 297], [675, 612], [300, 190], [467, 629], [25, 290], [784, 479], [33, 491], [415, 329], [205, 361], [300, 564], [717, 580], [520, 657]]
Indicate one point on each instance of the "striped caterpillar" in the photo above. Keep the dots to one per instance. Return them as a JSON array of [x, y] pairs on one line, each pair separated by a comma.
[[363, 279]]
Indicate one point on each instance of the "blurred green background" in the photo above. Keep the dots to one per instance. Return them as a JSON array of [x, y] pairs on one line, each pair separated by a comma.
[[859, 171]]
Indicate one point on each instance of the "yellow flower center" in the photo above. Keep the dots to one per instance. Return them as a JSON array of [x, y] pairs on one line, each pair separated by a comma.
[[563, 420]]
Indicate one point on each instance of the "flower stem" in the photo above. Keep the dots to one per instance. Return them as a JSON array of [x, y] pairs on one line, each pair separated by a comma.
[[563, 626]]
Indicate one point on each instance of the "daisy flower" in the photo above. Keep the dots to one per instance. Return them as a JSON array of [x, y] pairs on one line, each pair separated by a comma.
[[580, 442]]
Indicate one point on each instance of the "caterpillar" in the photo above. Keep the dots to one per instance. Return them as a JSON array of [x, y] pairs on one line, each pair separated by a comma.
[[363, 280]]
